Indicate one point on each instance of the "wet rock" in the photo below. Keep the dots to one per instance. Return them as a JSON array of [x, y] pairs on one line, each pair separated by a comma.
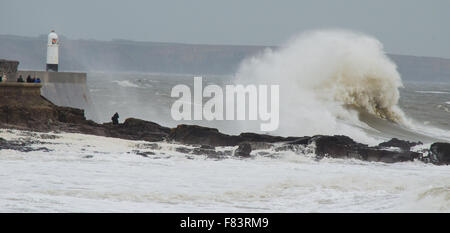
[[202, 151], [300, 141], [136, 129], [199, 135], [243, 150], [340, 146], [30, 111], [145, 154], [253, 137], [440, 153], [184, 150], [377, 155], [152, 146], [403, 145], [70, 115], [211, 154], [261, 145], [207, 147], [49, 136], [205, 151], [287, 147], [337, 146], [22, 146]]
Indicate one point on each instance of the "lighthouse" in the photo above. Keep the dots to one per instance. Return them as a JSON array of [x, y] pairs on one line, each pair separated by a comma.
[[52, 52]]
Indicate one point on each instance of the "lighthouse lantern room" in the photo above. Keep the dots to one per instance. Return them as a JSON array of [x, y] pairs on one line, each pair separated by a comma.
[[52, 52]]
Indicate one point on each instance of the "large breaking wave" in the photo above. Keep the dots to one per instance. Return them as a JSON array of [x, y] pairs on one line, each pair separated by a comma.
[[327, 79]]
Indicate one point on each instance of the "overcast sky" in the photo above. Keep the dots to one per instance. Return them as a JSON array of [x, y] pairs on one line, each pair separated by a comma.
[[404, 26]]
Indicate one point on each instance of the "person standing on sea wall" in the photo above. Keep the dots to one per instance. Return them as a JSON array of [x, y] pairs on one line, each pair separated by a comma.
[[20, 79]]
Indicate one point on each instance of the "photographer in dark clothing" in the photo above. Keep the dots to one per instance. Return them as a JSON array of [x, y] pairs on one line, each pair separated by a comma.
[[115, 119]]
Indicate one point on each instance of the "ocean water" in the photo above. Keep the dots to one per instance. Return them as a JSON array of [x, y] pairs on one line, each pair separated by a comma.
[[426, 107], [86, 173], [330, 83]]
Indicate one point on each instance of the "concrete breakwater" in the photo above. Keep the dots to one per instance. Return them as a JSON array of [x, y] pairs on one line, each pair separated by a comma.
[[67, 89], [12, 90]]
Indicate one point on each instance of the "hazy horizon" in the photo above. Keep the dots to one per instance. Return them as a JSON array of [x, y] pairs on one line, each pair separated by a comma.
[[182, 43], [415, 28]]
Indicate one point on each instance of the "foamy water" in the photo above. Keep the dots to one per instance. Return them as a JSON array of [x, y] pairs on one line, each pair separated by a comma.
[[116, 179], [125, 83], [434, 92], [320, 76], [323, 73]]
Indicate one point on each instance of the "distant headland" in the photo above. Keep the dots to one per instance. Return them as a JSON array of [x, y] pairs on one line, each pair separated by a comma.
[[134, 56]]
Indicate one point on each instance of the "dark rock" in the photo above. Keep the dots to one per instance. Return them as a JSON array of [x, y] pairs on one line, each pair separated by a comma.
[[261, 145], [211, 154], [202, 151], [136, 129], [88, 157], [22, 146], [199, 135], [403, 145], [253, 137], [184, 150], [337, 146], [70, 115], [145, 154], [288, 147], [377, 155], [152, 146], [206, 151], [22, 107], [243, 150], [49, 136], [340, 146], [440, 153], [300, 141], [207, 147]]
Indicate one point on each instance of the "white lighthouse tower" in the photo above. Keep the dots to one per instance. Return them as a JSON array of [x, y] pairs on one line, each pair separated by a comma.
[[52, 52]]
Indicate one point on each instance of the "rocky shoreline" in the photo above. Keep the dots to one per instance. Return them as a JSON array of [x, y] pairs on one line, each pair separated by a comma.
[[40, 115]]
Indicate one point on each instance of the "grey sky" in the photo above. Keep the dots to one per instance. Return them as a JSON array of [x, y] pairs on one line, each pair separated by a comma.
[[403, 26]]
